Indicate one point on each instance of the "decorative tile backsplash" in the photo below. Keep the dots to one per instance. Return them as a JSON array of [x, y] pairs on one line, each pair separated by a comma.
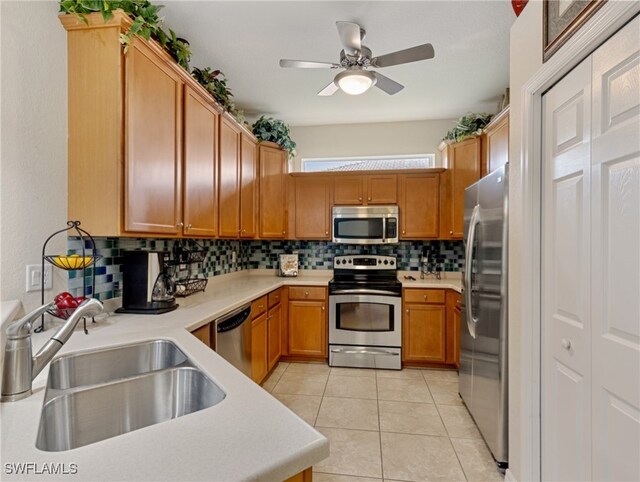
[[448, 256]]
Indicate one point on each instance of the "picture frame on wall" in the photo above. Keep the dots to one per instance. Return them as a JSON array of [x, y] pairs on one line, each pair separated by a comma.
[[562, 19]]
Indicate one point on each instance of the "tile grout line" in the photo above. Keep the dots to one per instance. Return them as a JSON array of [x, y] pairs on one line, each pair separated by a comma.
[[447, 430], [379, 429]]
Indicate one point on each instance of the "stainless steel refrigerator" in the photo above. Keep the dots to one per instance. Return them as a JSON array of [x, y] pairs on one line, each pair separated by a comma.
[[483, 341]]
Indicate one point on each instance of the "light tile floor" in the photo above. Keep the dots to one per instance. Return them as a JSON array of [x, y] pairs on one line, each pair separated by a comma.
[[407, 425]]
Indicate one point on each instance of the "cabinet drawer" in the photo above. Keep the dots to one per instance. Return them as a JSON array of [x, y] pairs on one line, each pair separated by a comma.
[[307, 293], [274, 297], [258, 306], [413, 295]]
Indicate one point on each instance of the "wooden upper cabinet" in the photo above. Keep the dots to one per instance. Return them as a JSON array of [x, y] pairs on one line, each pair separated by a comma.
[[464, 161], [200, 154], [495, 141], [382, 189], [365, 189], [312, 207], [348, 190], [273, 197], [419, 206], [248, 187], [152, 196], [229, 190]]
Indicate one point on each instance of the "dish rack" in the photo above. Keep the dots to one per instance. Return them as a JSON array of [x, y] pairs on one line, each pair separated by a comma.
[[70, 262], [190, 255]]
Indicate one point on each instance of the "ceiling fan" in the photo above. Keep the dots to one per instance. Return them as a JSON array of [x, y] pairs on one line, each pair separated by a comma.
[[356, 59]]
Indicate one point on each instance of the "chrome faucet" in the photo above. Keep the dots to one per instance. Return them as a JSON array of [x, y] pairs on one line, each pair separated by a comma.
[[20, 368]]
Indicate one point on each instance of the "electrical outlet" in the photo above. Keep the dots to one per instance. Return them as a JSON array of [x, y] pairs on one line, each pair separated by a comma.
[[234, 257], [34, 277]]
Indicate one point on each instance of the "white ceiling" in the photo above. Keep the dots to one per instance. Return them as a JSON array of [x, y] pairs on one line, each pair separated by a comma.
[[246, 40]]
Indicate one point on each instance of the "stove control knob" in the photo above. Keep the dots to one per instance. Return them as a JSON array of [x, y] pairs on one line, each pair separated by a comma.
[[392, 262], [379, 261], [349, 261], [344, 261], [386, 261]]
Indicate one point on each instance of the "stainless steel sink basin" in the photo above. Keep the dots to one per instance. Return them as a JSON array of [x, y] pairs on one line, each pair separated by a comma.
[[86, 416], [100, 366]]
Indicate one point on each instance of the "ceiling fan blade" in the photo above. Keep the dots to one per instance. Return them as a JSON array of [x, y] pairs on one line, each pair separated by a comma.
[[386, 84], [306, 64], [414, 54], [350, 37], [330, 89]]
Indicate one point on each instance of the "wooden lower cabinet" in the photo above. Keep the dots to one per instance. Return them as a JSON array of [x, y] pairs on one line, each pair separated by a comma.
[[305, 476], [453, 327], [259, 348], [307, 325], [203, 334], [274, 335], [424, 333]]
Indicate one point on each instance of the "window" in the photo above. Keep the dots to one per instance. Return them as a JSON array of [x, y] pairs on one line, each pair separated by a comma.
[[371, 163]]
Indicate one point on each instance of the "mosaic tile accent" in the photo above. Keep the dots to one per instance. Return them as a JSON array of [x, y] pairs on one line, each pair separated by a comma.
[[447, 256]]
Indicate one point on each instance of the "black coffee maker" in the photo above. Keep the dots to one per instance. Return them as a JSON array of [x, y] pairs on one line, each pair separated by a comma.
[[148, 287]]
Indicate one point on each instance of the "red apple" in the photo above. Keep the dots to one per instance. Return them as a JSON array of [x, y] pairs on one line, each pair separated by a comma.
[[62, 296], [80, 299]]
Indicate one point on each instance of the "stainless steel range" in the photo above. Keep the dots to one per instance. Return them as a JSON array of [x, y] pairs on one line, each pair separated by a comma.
[[365, 313]]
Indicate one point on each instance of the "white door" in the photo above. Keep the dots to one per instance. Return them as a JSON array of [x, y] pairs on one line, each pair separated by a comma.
[[566, 328], [591, 267], [615, 276]]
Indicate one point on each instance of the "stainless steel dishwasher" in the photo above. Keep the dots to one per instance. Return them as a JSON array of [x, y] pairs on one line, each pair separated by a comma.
[[233, 338]]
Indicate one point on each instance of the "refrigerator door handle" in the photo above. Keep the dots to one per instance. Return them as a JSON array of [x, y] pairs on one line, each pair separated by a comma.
[[475, 220]]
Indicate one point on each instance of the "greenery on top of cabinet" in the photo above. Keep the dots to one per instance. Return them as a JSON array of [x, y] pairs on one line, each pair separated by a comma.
[[274, 130], [469, 125], [216, 84]]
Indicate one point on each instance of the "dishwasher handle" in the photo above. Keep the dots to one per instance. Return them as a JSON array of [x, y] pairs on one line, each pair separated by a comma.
[[233, 319]]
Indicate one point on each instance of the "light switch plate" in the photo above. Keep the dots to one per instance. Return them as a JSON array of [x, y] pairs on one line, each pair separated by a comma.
[[34, 274]]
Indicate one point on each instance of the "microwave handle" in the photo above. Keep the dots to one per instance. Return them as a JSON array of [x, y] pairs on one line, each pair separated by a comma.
[[384, 229]]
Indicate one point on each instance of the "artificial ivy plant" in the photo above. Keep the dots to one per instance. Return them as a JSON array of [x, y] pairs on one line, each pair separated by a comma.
[[146, 23], [274, 130], [469, 125], [216, 83]]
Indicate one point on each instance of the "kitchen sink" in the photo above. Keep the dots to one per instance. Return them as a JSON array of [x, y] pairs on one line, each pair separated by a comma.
[[98, 395], [87, 416], [100, 366]]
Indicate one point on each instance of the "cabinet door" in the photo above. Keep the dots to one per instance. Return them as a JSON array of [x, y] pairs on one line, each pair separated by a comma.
[[259, 361], [419, 206], [424, 333], [200, 145], [382, 189], [248, 187], [312, 207], [203, 334], [465, 160], [229, 202], [348, 190], [153, 143], [307, 328], [453, 328], [497, 144], [273, 193], [274, 325]]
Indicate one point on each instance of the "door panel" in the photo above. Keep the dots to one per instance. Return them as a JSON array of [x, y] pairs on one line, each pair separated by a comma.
[[382, 189], [229, 202], [273, 193], [419, 201], [615, 300], [566, 353], [153, 158], [312, 207], [248, 188], [348, 190], [200, 144]]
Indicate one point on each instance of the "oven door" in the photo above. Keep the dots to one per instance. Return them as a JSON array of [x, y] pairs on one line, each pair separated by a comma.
[[358, 229], [365, 320]]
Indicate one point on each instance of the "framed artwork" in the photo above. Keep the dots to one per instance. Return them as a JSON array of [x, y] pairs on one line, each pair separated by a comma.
[[562, 19]]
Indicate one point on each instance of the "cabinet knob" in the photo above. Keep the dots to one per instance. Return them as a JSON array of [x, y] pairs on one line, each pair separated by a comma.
[[404, 232], [369, 198], [360, 198], [284, 232], [323, 308], [451, 233], [326, 233], [306, 293], [566, 344], [189, 226], [424, 296], [179, 225], [244, 230], [407, 310]]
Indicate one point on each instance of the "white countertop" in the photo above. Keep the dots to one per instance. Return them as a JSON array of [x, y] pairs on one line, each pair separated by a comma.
[[450, 281], [248, 436]]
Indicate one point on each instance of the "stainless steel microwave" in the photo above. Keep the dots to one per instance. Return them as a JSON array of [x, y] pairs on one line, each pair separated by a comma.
[[365, 224]]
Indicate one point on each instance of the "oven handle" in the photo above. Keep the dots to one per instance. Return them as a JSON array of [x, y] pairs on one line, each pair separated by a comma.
[[384, 229], [363, 291], [365, 352]]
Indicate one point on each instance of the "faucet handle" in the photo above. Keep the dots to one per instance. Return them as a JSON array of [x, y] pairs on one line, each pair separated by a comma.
[[22, 327]]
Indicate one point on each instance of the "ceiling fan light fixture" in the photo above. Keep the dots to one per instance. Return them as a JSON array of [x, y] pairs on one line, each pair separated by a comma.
[[355, 82]]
